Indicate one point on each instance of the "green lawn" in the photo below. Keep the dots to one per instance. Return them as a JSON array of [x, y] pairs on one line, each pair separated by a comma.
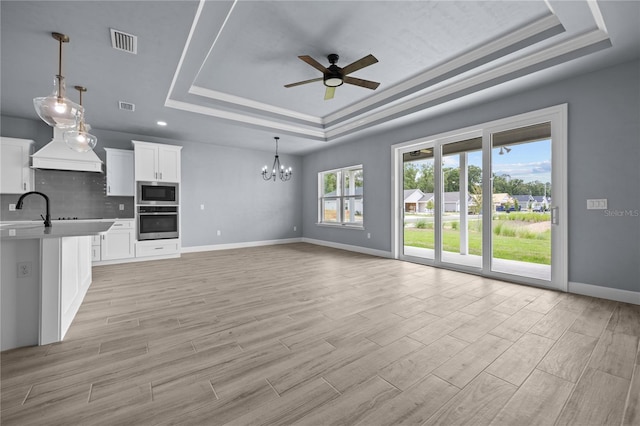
[[533, 250]]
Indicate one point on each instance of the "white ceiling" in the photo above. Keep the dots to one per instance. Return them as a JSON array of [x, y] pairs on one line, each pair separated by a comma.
[[216, 70]]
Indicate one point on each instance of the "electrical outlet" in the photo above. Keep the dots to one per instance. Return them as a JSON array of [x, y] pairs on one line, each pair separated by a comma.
[[121, 207], [368, 234], [295, 228], [24, 269], [219, 233], [201, 206], [12, 207]]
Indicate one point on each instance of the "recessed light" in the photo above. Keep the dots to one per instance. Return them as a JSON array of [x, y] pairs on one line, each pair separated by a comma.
[[162, 123]]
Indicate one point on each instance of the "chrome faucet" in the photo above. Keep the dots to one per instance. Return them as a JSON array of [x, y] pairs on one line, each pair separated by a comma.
[[47, 218]]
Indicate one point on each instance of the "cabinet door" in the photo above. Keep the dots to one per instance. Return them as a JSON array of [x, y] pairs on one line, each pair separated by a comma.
[[120, 179], [117, 244], [16, 175], [169, 164], [146, 161]]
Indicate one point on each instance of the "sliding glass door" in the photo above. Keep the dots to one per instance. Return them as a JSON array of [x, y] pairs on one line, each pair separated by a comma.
[[521, 203], [487, 200], [461, 202]]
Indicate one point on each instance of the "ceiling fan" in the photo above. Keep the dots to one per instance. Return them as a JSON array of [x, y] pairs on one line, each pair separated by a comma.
[[335, 76]]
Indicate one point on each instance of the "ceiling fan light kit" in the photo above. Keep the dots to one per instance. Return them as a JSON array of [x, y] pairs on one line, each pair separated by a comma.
[[334, 76], [56, 110]]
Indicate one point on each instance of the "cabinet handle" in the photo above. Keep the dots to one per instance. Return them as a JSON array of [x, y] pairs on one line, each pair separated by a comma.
[[108, 188], [158, 248], [103, 237], [24, 186], [160, 175]]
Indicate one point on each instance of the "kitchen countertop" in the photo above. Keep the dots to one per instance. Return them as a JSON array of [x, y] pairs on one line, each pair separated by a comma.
[[59, 229]]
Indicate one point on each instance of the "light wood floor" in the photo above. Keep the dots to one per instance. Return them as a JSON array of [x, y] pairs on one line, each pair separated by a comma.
[[301, 334]]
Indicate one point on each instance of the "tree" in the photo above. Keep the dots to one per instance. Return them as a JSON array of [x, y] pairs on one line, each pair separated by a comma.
[[425, 181], [430, 205], [475, 192], [410, 174], [330, 182], [451, 179], [474, 176]]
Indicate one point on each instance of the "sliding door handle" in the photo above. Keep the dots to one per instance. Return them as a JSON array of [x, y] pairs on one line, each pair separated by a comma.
[[554, 216]]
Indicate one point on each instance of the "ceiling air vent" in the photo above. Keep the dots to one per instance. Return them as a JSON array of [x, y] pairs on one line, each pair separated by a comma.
[[126, 106], [124, 41]]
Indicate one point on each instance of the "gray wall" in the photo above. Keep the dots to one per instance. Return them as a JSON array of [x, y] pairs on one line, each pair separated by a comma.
[[226, 181], [603, 162]]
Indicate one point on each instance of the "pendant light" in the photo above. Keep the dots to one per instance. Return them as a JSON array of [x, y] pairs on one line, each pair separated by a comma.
[[55, 109], [80, 139]]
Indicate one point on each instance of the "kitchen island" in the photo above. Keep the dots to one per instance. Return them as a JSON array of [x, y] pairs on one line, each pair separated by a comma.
[[46, 272]]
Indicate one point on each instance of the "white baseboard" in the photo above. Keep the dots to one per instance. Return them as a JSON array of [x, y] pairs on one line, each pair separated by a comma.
[[230, 246], [348, 247], [618, 295]]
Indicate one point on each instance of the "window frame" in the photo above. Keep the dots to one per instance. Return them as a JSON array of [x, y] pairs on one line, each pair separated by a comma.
[[341, 198]]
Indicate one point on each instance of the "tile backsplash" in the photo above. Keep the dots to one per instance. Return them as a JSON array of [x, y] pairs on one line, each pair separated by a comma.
[[71, 194]]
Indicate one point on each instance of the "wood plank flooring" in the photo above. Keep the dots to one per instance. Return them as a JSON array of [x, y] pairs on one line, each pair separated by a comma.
[[308, 335]]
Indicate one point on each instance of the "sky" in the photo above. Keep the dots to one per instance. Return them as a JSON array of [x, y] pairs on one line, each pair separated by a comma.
[[527, 161]]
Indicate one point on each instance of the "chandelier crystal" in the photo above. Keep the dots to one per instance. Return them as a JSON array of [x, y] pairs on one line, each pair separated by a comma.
[[277, 169], [56, 110]]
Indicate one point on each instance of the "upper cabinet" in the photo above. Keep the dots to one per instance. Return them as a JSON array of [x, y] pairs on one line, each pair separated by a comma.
[[157, 162], [120, 179], [16, 175]]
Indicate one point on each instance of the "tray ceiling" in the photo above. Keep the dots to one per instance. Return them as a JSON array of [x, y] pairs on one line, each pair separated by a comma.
[[216, 70]]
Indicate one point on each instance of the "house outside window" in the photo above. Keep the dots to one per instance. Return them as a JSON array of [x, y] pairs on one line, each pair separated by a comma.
[[340, 196]]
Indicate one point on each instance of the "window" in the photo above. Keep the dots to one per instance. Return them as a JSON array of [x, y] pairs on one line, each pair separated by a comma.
[[340, 196]]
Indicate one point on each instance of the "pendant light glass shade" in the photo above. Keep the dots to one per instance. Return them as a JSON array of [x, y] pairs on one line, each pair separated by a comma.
[[56, 110], [80, 139]]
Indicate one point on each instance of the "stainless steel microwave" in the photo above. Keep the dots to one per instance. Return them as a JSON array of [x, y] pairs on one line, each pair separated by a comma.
[[158, 193]]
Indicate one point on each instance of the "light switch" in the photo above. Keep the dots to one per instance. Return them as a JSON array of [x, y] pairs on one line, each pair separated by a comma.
[[599, 204], [201, 206]]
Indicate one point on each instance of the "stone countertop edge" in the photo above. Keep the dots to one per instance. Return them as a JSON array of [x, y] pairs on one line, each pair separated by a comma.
[[24, 231]]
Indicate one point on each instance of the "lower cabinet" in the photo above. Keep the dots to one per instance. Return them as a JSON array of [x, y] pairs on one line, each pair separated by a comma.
[[95, 248], [117, 243], [158, 248], [120, 243]]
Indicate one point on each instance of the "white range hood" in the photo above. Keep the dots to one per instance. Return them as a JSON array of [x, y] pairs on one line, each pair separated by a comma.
[[56, 155]]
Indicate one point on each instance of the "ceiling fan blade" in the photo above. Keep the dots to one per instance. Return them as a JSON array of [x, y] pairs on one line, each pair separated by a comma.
[[328, 94], [317, 65], [313, 80], [359, 64], [373, 85]]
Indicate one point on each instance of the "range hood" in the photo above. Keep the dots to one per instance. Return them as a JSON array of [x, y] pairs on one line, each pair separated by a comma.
[[56, 155]]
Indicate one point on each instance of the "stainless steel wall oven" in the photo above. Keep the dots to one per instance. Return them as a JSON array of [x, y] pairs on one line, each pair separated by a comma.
[[157, 222]]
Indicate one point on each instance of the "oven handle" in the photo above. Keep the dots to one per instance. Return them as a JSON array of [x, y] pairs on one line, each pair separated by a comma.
[[155, 214]]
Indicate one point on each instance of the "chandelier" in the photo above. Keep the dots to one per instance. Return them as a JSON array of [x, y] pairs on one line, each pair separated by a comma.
[[80, 139], [56, 110], [277, 169]]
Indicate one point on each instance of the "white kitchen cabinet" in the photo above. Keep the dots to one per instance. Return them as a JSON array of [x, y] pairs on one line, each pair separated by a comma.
[[16, 175], [156, 162], [118, 243], [165, 248], [120, 178], [96, 251]]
